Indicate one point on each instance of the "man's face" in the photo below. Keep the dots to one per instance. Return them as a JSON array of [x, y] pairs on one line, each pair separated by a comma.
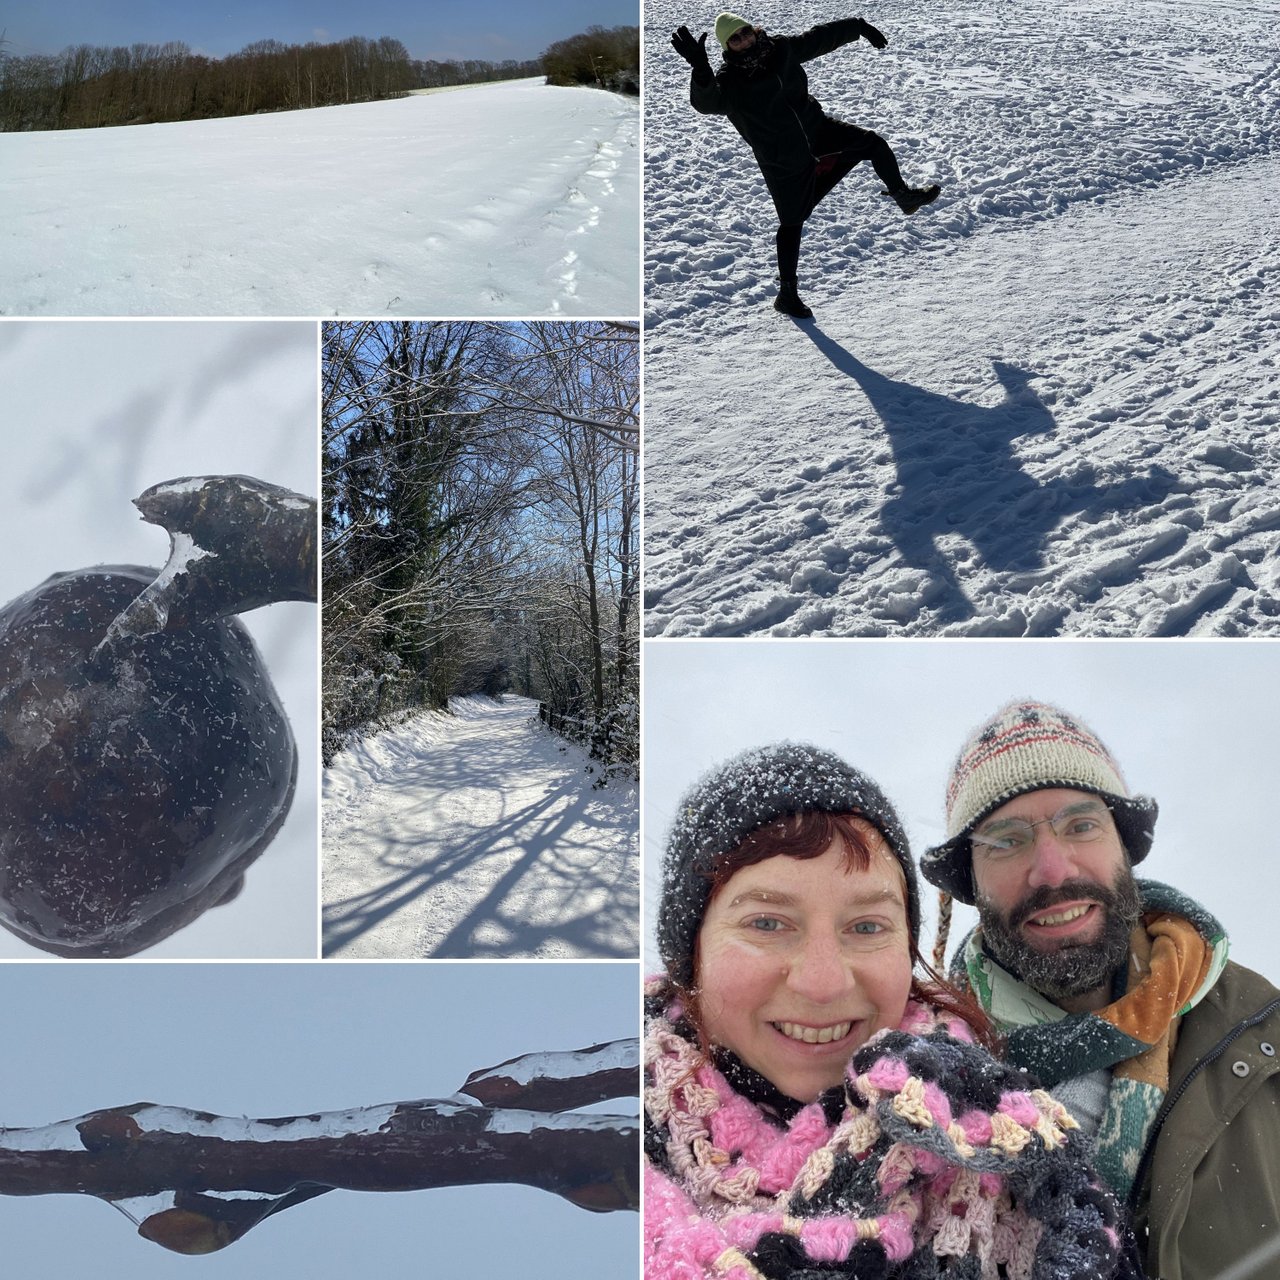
[[742, 39], [1057, 911]]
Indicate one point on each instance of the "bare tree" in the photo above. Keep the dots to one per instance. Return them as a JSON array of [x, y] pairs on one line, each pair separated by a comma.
[[480, 497]]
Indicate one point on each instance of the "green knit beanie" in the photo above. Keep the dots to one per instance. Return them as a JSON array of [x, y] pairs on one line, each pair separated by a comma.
[[726, 25]]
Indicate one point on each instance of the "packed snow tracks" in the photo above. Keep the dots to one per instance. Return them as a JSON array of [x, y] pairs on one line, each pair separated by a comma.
[[1045, 406], [509, 199], [477, 834]]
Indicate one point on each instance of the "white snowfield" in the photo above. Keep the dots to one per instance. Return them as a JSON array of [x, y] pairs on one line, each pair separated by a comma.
[[1046, 405], [475, 835], [509, 199]]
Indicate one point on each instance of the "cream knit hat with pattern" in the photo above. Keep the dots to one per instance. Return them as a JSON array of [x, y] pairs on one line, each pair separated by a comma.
[[1029, 746]]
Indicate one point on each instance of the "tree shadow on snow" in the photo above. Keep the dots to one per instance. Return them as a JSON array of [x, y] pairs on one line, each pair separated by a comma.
[[583, 903], [958, 474]]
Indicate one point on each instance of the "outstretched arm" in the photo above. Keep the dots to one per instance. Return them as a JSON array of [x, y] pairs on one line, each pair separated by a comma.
[[704, 91], [827, 36]]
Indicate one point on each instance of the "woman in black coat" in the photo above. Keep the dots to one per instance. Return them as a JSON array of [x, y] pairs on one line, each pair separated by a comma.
[[802, 152]]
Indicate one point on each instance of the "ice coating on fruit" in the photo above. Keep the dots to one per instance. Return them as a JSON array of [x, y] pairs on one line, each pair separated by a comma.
[[135, 787], [235, 543]]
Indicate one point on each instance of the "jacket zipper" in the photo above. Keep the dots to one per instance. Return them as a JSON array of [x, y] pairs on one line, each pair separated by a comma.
[[1171, 1101]]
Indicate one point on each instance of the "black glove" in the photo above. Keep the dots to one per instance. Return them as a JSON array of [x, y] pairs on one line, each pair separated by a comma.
[[694, 52], [873, 37]]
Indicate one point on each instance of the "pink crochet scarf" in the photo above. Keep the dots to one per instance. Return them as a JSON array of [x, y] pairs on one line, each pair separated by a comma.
[[942, 1162]]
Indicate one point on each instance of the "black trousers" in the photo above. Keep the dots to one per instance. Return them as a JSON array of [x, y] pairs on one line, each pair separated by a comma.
[[838, 148]]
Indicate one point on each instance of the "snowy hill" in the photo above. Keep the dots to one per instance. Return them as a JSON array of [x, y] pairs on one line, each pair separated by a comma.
[[1047, 405], [477, 834], [504, 199]]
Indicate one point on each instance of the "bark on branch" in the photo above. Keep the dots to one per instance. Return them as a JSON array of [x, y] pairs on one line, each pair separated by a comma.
[[194, 1182]]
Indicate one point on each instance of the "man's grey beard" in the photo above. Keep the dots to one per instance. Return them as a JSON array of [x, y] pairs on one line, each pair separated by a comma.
[[1074, 968]]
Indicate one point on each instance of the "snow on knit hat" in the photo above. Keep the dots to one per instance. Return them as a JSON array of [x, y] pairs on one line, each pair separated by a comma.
[[727, 804], [1029, 746], [726, 25]]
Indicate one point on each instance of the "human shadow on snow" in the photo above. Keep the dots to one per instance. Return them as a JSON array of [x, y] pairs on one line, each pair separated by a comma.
[[957, 473]]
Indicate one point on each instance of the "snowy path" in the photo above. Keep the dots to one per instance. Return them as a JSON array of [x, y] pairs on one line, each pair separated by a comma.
[[1046, 406], [476, 835], [505, 199]]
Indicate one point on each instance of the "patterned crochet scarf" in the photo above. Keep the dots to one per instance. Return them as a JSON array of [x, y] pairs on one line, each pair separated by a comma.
[[1177, 951], [753, 62], [932, 1160]]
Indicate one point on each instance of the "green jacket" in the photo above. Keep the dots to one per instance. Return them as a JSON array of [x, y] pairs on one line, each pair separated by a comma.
[[1210, 1192]]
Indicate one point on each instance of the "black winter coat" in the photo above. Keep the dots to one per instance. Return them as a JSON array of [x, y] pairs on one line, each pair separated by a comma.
[[776, 114]]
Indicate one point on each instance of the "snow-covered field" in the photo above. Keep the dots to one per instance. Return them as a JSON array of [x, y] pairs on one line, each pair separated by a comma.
[[509, 199], [476, 834], [1047, 405]]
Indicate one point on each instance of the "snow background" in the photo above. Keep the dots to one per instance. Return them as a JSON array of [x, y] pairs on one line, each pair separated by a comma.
[[1193, 724], [477, 835], [287, 1039], [509, 199], [96, 413], [1046, 405]]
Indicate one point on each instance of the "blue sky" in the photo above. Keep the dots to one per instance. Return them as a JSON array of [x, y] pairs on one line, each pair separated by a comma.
[[431, 29], [280, 1039]]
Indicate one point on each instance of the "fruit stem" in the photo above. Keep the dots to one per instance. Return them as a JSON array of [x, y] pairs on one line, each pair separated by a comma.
[[235, 544]]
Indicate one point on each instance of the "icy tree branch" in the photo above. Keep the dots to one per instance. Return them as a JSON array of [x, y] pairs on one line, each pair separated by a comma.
[[560, 1081], [195, 1182]]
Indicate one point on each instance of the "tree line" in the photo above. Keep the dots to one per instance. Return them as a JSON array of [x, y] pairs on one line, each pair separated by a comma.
[[607, 58], [480, 523], [91, 86]]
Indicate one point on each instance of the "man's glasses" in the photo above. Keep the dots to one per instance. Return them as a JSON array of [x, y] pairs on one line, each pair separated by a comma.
[[1076, 824]]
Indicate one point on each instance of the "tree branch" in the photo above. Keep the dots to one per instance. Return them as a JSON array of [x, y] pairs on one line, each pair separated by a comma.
[[195, 1182]]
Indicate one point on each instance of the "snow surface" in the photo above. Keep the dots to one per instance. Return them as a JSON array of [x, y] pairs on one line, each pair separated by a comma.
[[510, 199], [1044, 406], [476, 834], [616, 1055]]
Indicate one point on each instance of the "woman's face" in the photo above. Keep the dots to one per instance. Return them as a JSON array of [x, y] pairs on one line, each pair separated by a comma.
[[801, 960]]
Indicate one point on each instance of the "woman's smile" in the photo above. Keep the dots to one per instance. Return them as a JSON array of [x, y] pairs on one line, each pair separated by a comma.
[[801, 960]]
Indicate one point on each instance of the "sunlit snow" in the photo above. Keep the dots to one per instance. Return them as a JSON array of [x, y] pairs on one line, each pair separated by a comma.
[[477, 835], [1045, 405], [516, 198]]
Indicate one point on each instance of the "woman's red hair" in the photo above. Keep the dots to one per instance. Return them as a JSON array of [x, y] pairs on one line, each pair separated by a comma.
[[809, 835]]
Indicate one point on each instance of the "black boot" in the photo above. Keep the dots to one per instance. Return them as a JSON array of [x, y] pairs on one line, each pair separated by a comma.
[[788, 301], [912, 198]]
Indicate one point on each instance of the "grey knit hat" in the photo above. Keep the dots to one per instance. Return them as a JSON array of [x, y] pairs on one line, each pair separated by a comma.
[[742, 795], [1029, 746]]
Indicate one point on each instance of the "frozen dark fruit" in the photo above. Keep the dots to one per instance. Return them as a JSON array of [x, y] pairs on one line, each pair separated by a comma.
[[135, 786]]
